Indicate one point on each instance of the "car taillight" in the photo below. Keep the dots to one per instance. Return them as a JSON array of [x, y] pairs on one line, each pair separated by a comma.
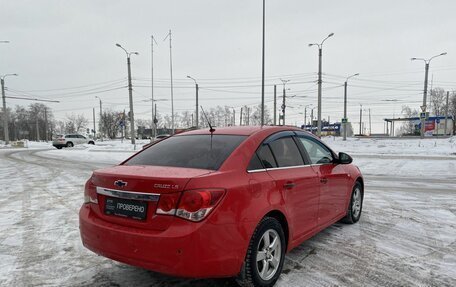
[[90, 192], [195, 205], [168, 203]]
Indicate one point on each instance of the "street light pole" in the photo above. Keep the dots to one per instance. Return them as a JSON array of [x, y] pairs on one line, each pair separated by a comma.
[[130, 94], [262, 71], [360, 118], [320, 52], [284, 82], [5, 113], [426, 72], [171, 73], [152, 40], [101, 118], [305, 114], [196, 107], [345, 105], [311, 119]]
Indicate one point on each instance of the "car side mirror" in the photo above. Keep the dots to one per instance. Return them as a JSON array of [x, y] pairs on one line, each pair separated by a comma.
[[345, 158]]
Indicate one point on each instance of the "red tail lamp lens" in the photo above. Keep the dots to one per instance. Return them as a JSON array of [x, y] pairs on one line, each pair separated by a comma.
[[168, 203], [196, 204], [90, 192]]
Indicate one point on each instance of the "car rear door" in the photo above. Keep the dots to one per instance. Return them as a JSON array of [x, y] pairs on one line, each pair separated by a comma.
[[333, 178], [295, 179]]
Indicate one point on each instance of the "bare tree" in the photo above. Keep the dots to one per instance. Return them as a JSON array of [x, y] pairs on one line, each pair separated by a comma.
[[110, 121], [408, 127], [81, 123], [256, 116], [76, 123], [438, 101], [452, 109]]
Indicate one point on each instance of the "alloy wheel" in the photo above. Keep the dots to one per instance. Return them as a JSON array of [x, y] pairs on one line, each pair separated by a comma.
[[269, 252]]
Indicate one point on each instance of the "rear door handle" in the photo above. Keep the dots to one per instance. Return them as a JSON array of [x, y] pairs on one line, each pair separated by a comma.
[[289, 185], [323, 180]]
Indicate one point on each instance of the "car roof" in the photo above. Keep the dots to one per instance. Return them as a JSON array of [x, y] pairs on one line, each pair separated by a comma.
[[240, 130]]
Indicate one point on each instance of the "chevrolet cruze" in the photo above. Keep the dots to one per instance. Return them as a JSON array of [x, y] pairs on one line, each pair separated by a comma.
[[223, 203]]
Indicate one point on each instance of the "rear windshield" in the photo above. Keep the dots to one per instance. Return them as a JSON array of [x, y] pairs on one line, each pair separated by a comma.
[[192, 151]]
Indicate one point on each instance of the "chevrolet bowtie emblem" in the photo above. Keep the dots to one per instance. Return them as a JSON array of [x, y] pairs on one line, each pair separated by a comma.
[[120, 183]]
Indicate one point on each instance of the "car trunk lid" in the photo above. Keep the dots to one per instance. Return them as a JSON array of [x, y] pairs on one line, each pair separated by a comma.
[[129, 195]]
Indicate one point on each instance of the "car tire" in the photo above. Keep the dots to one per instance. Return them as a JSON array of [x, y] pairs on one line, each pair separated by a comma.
[[356, 205], [58, 147], [91, 142], [69, 144], [265, 255]]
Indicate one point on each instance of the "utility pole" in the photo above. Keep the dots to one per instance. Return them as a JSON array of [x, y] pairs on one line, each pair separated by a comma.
[[305, 117], [344, 122], [124, 131], [5, 112], [423, 107], [196, 96], [311, 119], [320, 52], [262, 72], [360, 118], [152, 40], [171, 73], [370, 125], [275, 104], [37, 129], [196, 107], [430, 95], [446, 114], [155, 120], [284, 82], [45, 125], [234, 117], [240, 118], [130, 94], [93, 115], [345, 105], [100, 121]]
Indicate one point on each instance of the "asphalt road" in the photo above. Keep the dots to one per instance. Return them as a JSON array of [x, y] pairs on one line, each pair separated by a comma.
[[406, 235]]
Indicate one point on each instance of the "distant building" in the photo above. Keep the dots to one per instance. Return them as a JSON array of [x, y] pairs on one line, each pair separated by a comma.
[[327, 129], [434, 126]]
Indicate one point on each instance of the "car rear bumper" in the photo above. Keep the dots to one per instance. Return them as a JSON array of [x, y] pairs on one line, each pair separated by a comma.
[[185, 249], [58, 145]]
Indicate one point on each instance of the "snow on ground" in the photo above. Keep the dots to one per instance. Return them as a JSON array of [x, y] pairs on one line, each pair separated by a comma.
[[416, 158], [406, 235], [436, 147]]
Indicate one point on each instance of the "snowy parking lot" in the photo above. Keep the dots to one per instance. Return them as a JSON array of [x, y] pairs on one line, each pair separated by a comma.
[[406, 235]]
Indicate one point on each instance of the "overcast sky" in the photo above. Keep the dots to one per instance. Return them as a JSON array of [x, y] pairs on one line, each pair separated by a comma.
[[58, 45]]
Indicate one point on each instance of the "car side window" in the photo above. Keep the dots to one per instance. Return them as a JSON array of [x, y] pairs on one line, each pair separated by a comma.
[[317, 152], [286, 152], [266, 157], [255, 163]]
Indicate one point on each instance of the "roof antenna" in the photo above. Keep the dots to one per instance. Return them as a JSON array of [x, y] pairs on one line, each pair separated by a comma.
[[211, 129]]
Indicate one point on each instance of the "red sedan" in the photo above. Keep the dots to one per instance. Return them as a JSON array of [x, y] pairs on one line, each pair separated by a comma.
[[225, 203]]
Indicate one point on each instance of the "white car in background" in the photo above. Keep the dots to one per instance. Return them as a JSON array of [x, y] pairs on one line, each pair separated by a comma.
[[71, 140]]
